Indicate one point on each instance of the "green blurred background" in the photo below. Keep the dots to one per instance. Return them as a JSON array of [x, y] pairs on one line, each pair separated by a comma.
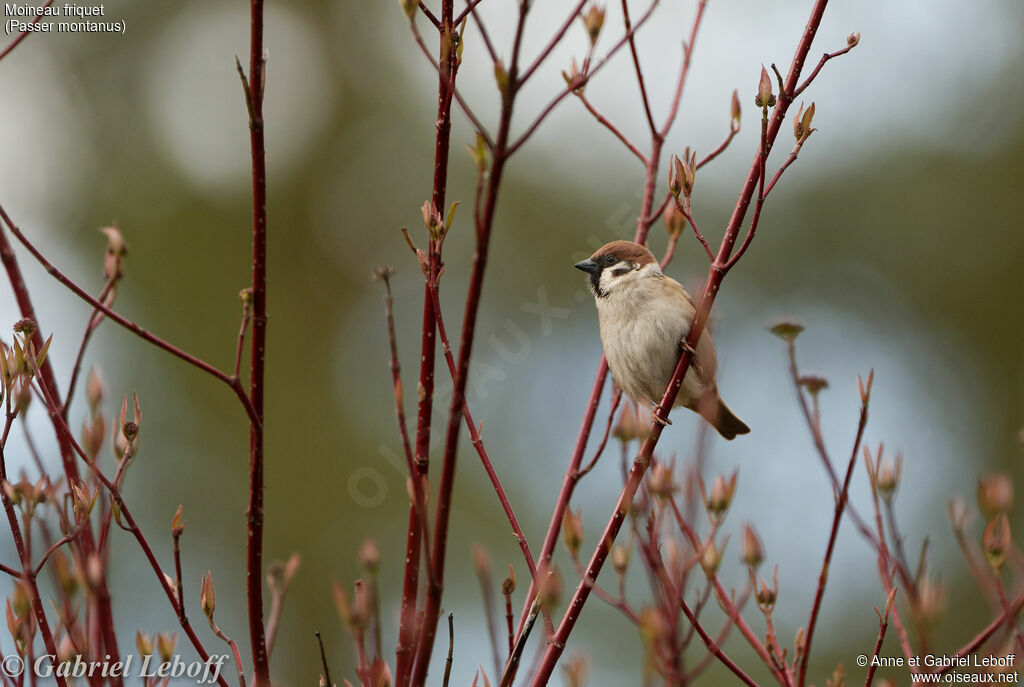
[[896, 238]]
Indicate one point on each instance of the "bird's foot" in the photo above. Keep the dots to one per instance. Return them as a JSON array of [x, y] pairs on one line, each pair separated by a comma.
[[687, 347], [656, 418]]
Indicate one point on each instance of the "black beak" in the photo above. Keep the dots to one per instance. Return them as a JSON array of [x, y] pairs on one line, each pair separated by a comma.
[[588, 265]]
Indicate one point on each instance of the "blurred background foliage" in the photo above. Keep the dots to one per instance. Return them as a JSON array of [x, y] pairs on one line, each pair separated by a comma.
[[896, 238]]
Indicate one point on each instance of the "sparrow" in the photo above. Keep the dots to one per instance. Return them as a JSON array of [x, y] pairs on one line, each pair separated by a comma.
[[645, 318]]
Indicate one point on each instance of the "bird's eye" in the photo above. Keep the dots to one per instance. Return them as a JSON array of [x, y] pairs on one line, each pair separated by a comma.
[[610, 259]]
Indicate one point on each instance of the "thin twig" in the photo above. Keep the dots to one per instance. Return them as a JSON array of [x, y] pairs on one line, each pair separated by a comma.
[[94, 321], [883, 623], [575, 86], [714, 648], [639, 72], [451, 649], [513, 660], [612, 128], [733, 130], [128, 324], [323, 659], [821, 63], [833, 536], [616, 399], [129, 520], [24, 34]]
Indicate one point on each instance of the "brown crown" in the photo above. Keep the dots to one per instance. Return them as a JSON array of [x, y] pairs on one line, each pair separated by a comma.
[[624, 250]]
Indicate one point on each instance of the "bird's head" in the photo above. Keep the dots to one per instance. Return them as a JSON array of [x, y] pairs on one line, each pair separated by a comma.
[[616, 265]]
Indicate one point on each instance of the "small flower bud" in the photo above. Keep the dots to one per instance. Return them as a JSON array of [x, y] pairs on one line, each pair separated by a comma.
[[995, 495], [207, 599], [593, 20], [501, 77], [765, 98], [165, 646], [628, 428], [753, 552], [94, 571], [838, 678], [66, 650], [787, 330], [653, 628], [409, 7], [369, 555], [19, 599], [26, 327], [689, 165], [94, 388], [177, 524], [574, 78], [572, 530], [364, 602], [889, 477], [113, 258], [431, 218], [710, 558], [620, 559], [66, 575], [508, 585], [736, 110], [957, 514], [802, 123], [675, 176], [576, 671], [675, 220], [660, 482], [22, 395], [853, 39], [766, 596], [931, 601], [813, 383], [143, 643], [481, 561], [721, 496], [93, 433], [549, 588], [995, 542]]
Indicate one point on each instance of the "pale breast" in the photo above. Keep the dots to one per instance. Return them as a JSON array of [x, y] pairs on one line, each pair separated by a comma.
[[641, 343]]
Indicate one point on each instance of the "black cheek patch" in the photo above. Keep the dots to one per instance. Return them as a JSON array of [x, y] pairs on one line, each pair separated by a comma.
[[622, 269]]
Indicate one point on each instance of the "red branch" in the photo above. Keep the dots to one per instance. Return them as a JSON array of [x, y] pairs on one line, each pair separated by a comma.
[[254, 513], [832, 537]]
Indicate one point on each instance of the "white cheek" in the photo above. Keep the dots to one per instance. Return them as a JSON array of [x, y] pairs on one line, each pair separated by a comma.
[[608, 281]]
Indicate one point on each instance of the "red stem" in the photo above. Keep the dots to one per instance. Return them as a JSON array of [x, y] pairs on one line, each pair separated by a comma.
[[22, 295], [115, 494], [48, 382], [478, 444], [254, 513], [639, 72], [713, 647], [27, 574], [24, 34], [406, 651], [986, 633], [833, 536]]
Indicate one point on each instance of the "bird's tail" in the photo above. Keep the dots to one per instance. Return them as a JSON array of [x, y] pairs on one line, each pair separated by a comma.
[[721, 417]]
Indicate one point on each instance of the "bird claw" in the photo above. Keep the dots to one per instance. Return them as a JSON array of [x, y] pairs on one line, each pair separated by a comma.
[[655, 418], [687, 347]]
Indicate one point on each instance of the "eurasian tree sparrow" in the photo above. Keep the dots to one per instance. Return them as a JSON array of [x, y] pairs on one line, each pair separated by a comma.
[[645, 317]]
